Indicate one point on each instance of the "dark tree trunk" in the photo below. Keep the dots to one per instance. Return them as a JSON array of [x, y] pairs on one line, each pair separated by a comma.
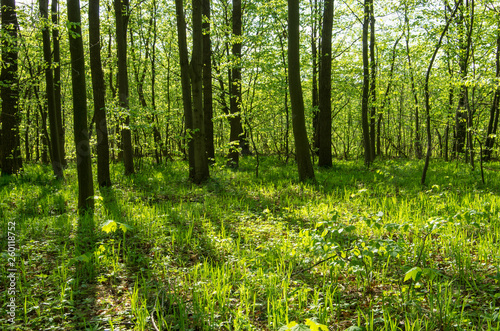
[[207, 84], [236, 138], [373, 81], [156, 132], [494, 110], [305, 167], [57, 81], [10, 149], [83, 155], [98, 89], [366, 86], [201, 172], [315, 91], [55, 149], [185, 83], [122, 16], [325, 88]]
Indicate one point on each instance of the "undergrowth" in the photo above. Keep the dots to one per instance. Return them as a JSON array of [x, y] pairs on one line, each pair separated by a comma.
[[365, 249]]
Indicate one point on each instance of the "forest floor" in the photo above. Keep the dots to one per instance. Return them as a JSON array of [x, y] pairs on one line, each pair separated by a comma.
[[361, 249]]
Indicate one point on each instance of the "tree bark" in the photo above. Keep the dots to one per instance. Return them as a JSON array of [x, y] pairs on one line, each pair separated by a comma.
[[366, 86], [494, 110], [305, 168], [314, 90], [55, 149], [98, 90], [201, 172], [185, 83], [81, 134], [121, 17], [10, 149], [57, 81], [325, 88], [373, 81], [236, 138], [207, 83]]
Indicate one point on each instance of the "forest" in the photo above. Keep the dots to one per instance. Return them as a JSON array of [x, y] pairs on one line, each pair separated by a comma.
[[250, 165]]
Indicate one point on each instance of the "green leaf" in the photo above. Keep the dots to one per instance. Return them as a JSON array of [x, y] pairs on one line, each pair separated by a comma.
[[109, 226], [300, 327], [288, 327], [316, 326], [413, 273]]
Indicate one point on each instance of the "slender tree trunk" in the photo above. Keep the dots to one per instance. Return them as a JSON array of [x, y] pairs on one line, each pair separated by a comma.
[[57, 81], [386, 96], [156, 132], [427, 97], [83, 155], [373, 82], [122, 16], [185, 83], [305, 167], [325, 88], [418, 142], [207, 84], [236, 137], [10, 149], [99, 90], [315, 91], [494, 110], [366, 86], [55, 149]]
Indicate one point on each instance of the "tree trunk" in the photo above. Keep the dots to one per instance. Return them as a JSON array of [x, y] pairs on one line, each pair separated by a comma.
[[57, 81], [122, 16], [10, 149], [201, 172], [80, 129], [55, 149], [427, 97], [373, 81], [366, 86], [185, 83], [315, 92], [207, 84], [98, 89], [305, 168], [325, 88], [236, 138], [494, 110]]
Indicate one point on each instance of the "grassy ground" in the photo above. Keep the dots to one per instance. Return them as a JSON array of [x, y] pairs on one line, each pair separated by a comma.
[[368, 248]]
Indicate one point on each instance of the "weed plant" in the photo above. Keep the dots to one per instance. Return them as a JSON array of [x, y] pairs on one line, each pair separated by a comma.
[[365, 249]]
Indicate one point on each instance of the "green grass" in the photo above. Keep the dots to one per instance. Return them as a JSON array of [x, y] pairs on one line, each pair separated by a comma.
[[362, 247]]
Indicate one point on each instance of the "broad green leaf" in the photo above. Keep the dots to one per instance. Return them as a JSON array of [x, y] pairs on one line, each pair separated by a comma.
[[413, 273], [109, 226], [316, 326]]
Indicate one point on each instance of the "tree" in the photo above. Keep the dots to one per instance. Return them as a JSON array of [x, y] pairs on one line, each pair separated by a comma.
[[201, 172], [427, 98], [55, 150], [185, 83], [494, 109], [305, 168], [98, 90], [121, 17], [325, 88], [80, 128], [366, 85], [207, 83], [10, 149], [57, 80], [236, 138]]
